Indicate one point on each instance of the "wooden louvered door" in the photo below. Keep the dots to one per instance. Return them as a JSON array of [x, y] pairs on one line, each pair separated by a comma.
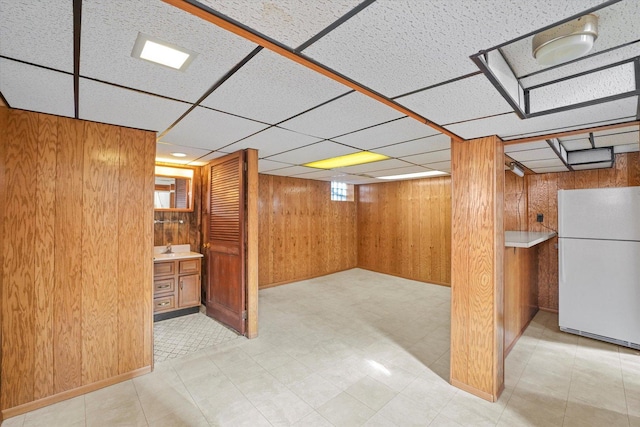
[[225, 241]]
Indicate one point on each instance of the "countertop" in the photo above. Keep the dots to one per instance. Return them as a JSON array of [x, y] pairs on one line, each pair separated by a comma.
[[177, 252], [526, 239]]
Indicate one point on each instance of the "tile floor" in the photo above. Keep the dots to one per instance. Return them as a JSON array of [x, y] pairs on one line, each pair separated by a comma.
[[187, 334], [360, 348]]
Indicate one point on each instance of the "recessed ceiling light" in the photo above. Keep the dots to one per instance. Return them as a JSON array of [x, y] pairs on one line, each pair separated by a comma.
[[178, 154], [347, 160], [414, 175], [163, 53]]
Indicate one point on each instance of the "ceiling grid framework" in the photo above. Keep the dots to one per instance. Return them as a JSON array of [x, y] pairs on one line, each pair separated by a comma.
[[412, 54]]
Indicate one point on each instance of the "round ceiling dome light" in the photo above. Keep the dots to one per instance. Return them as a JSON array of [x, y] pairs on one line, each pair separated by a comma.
[[565, 42], [177, 154]]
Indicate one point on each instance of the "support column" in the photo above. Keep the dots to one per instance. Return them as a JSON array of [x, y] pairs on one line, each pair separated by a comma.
[[477, 251]]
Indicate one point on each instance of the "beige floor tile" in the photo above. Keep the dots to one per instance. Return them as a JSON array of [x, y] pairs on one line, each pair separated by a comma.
[[190, 416], [314, 419], [584, 415], [16, 421], [347, 373], [272, 359], [378, 420], [232, 409], [404, 412], [372, 393], [430, 391], [345, 410], [597, 394], [291, 372], [61, 414], [128, 413], [112, 397], [157, 405], [281, 407], [315, 390], [443, 421]]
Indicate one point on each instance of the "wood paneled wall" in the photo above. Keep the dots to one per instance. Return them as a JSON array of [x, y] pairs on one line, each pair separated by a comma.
[[520, 292], [404, 229], [187, 232], [303, 233], [515, 202], [543, 198], [477, 212], [77, 241]]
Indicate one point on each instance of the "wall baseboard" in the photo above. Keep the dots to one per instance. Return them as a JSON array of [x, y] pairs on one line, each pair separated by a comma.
[[448, 285], [273, 285]]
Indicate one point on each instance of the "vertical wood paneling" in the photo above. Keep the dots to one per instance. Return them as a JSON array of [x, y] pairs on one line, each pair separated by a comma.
[[100, 253], [404, 229], [302, 232], [477, 267], [515, 203], [252, 243], [76, 200], [19, 260], [542, 192], [44, 250], [67, 312]]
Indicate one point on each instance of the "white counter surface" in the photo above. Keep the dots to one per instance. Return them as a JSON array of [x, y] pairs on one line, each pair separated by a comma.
[[177, 252], [526, 239]]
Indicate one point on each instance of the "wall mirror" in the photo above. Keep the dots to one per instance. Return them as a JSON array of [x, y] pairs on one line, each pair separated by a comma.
[[173, 189]]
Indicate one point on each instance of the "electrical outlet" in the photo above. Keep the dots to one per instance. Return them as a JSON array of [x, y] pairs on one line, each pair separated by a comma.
[[540, 217]]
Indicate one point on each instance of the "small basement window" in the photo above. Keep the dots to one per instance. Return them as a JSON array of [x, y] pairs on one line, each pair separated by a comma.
[[341, 192]]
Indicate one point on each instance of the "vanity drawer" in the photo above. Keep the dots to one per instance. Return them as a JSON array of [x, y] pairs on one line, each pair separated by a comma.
[[163, 286], [189, 266], [164, 268], [164, 303]]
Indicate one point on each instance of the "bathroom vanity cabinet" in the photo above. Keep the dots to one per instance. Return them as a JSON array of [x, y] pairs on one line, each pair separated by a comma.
[[176, 284]]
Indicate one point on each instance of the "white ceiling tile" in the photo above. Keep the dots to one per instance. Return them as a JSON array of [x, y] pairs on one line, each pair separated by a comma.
[[110, 104], [547, 163], [588, 87], [290, 22], [432, 157], [273, 141], [526, 146], [289, 171], [319, 151], [433, 143], [208, 129], [440, 166], [632, 128], [272, 88], [206, 159], [626, 148], [538, 154], [39, 32], [617, 24], [465, 99], [576, 144], [616, 139], [509, 126], [164, 150], [347, 114], [396, 46], [551, 169], [360, 180], [265, 165], [110, 29], [328, 175], [36, 89], [400, 130], [399, 171], [375, 166]]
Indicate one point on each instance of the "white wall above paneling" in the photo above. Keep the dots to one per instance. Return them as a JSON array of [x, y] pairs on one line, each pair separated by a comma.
[[110, 29], [466, 99], [417, 146], [509, 126], [208, 129], [432, 157], [347, 114], [272, 88], [289, 21], [39, 32], [396, 46], [318, 151], [273, 141], [36, 89], [110, 104], [400, 130]]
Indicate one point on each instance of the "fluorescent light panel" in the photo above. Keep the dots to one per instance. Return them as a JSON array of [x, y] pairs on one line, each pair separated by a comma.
[[347, 160], [163, 53], [414, 175]]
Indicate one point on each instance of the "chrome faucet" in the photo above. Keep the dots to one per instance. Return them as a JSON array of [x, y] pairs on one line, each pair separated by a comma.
[[168, 249]]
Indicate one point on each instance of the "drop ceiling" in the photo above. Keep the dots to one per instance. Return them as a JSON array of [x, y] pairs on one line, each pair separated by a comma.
[[238, 95]]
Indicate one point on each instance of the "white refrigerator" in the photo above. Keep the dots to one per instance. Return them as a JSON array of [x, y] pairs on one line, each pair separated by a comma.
[[599, 263]]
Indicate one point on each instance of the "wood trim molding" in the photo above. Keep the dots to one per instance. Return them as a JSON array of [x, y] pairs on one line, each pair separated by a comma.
[[252, 243], [431, 282], [570, 133], [313, 276], [50, 400], [481, 394], [302, 60]]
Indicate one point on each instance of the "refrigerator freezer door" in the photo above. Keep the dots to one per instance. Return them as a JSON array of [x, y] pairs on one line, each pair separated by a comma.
[[601, 213], [600, 288]]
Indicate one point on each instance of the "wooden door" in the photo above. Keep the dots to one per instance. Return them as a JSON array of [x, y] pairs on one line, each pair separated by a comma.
[[224, 239]]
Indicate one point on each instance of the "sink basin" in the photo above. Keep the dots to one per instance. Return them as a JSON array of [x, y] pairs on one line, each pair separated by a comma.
[[176, 255]]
